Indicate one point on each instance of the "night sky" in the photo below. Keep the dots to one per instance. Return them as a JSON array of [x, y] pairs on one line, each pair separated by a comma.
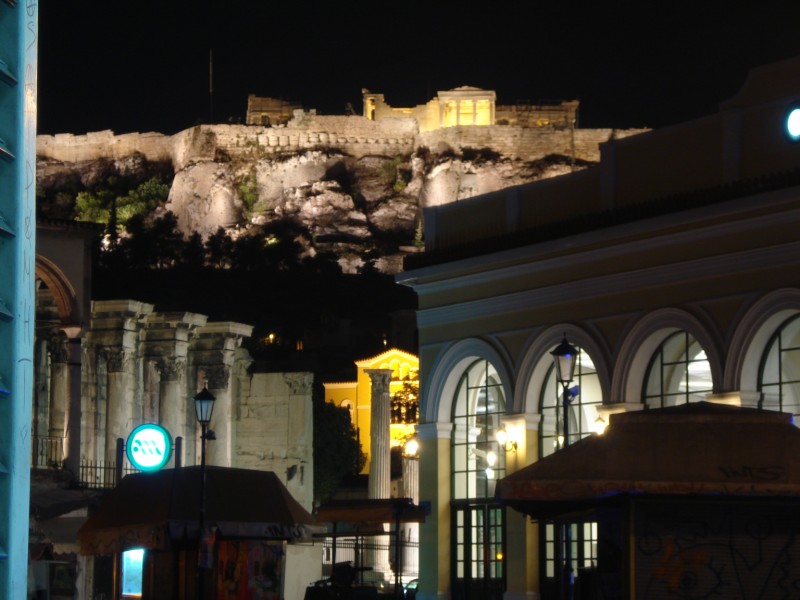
[[144, 65]]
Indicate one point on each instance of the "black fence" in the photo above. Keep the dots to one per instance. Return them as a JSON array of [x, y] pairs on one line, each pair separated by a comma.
[[373, 558], [47, 452]]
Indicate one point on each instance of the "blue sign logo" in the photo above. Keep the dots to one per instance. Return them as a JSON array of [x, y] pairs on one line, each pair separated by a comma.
[[149, 447]]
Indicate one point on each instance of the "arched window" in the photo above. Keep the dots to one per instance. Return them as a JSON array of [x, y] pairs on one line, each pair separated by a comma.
[[478, 523], [585, 397], [678, 373], [477, 409], [779, 372]]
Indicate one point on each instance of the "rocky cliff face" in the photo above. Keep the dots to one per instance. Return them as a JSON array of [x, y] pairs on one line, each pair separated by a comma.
[[363, 207]]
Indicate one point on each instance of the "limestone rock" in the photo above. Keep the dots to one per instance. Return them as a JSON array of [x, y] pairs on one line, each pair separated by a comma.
[[204, 198]]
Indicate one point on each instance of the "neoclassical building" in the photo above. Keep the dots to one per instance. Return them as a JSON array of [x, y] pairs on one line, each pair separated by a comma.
[[673, 267]]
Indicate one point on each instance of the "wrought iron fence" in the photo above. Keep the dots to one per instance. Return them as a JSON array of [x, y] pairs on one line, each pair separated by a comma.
[[47, 452], [373, 557], [98, 475]]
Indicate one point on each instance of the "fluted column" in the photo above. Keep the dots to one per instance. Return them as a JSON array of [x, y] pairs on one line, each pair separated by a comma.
[[380, 464], [172, 398], [119, 408]]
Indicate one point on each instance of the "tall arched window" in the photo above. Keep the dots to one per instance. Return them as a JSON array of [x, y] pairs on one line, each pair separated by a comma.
[[779, 372], [478, 536], [678, 373], [585, 395]]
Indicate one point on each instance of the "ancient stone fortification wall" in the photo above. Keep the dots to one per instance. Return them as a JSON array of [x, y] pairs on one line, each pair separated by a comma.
[[524, 143], [67, 147], [354, 135]]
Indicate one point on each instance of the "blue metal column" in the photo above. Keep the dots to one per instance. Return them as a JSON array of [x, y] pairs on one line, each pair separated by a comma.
[[18, 68]]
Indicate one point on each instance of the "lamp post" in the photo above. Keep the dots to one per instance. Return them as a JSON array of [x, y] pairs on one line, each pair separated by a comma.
[[565, 357], [204, 406]]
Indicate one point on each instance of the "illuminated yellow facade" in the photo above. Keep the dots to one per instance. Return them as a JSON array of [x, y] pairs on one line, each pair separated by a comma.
[[461, 106], [356, 396]]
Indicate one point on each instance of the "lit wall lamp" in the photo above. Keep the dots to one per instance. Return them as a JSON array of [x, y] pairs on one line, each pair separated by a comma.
[[411, 447], [600, 425], [506, 441]]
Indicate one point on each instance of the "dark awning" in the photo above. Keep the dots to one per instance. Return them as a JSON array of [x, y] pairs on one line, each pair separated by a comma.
[[699, 449], [148, 510], [365, 515]]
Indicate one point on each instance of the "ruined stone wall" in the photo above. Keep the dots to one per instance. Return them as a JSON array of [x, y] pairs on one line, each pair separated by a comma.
[[353, 135], [524, 143], [275, 430], [67, 147]]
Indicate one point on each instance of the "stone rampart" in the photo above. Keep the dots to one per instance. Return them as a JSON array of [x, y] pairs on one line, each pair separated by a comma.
[[524, 143], [353, 135], [70, 148]]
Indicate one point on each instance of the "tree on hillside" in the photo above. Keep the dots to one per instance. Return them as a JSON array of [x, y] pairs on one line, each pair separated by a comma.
[[114, 202]]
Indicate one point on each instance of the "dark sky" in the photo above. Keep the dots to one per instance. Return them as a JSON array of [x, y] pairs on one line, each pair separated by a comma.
[[144, 65]]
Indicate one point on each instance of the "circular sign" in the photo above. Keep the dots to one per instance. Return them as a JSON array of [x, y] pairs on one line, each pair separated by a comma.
[[148, 447], [792, 122]]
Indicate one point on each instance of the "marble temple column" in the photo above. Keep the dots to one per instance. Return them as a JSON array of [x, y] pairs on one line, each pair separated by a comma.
[[172, 399], [380, 477], [167, 337], [379, 460], [213, 354]]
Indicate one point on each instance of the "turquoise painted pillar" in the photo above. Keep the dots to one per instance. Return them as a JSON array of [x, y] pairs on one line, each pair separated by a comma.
[[18, 60]]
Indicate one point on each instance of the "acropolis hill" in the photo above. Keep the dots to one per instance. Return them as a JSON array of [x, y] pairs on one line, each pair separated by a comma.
[[346, 178]]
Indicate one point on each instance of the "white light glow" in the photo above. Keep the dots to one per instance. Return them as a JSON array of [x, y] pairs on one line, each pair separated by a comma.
[[793, 123]]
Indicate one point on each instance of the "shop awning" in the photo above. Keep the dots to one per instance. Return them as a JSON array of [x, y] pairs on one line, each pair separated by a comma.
[[149, 510], [699, 449], [362, 517]]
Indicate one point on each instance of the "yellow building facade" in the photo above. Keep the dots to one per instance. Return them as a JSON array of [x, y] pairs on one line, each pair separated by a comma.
[[356, 396]]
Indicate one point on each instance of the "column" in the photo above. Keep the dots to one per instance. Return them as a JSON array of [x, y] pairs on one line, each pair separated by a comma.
[[59, 397], [219, 451], [115, 337], [522, 535], [119, 406], [434, 534], [172, 399], [167, 337], [212, 355], [72, 425], [379, 465]]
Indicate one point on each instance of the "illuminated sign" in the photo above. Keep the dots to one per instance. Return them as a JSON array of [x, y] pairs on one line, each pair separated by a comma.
[[792, 122], [148, 447]]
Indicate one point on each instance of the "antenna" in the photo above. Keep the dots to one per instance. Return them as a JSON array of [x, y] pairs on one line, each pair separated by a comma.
[[210, 86]]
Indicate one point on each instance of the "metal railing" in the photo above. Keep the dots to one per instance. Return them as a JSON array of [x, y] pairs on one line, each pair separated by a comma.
[[99, 475], [367, 554], [47, 452]]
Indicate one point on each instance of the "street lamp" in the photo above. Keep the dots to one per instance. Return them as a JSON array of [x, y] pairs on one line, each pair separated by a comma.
[[204, 406], [565, 357]]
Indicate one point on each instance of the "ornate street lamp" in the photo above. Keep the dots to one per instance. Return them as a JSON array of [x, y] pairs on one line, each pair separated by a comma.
[[204, 406], [565, 357]]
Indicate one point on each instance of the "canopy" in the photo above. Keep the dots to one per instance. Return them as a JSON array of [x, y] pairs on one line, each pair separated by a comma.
[[699, 449], [148, 510], [364, 516]]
